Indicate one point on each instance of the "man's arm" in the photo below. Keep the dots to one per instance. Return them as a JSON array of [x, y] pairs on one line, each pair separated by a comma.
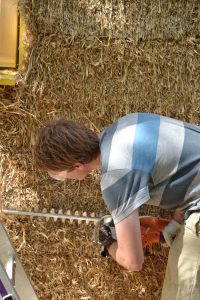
[[128, 251]]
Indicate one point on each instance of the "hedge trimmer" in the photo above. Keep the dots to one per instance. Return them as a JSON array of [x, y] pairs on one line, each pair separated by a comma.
[[14, 283], [151, 227]]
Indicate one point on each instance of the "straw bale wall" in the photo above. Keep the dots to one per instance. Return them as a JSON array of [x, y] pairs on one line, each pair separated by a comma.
[[91, 61]]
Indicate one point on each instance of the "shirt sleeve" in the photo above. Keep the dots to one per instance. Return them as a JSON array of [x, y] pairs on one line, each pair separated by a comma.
[[124, 191]]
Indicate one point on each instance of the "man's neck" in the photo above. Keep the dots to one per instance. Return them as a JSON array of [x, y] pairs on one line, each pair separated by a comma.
[[94, 164]]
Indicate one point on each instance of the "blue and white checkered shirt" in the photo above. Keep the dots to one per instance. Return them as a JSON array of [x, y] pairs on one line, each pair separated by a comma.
[[150, 159]]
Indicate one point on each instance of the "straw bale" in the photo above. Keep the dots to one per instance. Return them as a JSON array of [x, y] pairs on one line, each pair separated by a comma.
[[118, 19], [107, 82], [92, 61]]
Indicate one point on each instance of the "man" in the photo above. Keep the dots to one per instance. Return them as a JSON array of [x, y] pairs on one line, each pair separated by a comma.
[[143, 159]]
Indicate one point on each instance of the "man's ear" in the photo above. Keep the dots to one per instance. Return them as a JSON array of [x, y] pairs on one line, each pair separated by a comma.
[[79, 166]]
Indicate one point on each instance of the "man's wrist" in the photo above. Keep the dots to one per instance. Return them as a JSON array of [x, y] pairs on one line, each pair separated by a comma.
[[178, 217], [112, 248], [108, 251]]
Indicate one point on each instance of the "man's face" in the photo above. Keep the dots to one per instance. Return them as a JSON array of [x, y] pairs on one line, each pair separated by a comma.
[[79, 173]]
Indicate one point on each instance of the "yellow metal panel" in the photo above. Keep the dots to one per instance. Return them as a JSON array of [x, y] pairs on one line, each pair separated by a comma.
[[21, 43], [7, 77], [8, 33]]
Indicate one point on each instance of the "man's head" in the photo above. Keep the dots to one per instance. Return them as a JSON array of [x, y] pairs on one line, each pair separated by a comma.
[[65, 149]]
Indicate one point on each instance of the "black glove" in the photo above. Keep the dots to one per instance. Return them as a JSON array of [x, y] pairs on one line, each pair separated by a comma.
[[106, 237]]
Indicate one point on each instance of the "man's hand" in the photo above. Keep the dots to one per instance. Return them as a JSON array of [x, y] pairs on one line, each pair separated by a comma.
[[170, 231], [106, 237]]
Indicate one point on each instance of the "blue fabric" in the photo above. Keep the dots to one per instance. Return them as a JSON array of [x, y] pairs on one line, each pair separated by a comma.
[[145, 142], [147, 158]]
